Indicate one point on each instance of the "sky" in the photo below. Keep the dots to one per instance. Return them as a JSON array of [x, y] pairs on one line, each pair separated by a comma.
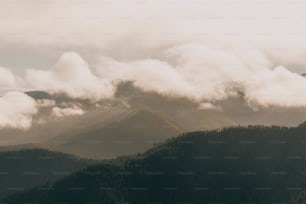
[[37, 32], [200, 49]]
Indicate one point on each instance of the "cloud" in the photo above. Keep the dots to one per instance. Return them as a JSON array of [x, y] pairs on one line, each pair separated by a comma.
[[205, 52], [204, 73], [45, 103], [193, 70], [62, 112], [277, 87], [132, 28], [147, 74], [17, 110], [70, 75], [209, 70], [207, 106], [216, 74], [7, 78]]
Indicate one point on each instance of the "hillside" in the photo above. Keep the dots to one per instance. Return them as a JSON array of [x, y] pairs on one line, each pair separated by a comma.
[[23, 169], [234, 165], [102, 131], [129, 134]]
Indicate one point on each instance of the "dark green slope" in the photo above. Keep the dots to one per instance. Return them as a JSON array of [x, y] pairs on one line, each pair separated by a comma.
[[23, 169], [235, 165]]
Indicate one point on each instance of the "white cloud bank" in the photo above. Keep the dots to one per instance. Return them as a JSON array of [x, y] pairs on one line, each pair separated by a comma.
[[278, 87], [203, 51], [62, 112], [70, 75], [205, 73], [17, 110], [196, 71], [7, 78]]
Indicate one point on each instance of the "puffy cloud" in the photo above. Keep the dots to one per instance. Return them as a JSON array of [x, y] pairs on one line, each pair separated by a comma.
[[278, 87], [216, 74], [206, 52], [205, 73], [71, 111], [208, 70], [7, 78], [70, 75], [45, 103], [207, 106], [17, 110], [148, 74], [197, 71]]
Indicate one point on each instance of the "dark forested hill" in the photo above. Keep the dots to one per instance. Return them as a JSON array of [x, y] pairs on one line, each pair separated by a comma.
[[234, 165], [22, 169]]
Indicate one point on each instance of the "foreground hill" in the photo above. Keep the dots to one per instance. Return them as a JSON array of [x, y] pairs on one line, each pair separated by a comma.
[[234, 165], [22, 169]]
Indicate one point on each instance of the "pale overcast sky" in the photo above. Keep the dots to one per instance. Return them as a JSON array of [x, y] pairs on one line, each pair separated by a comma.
[[205, 50], [33, 34]]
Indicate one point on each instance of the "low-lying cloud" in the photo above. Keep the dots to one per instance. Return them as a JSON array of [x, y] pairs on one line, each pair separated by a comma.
[[7, 78], [206, 52], [62, 112], [70, 75], [195, 71], [17, 110]]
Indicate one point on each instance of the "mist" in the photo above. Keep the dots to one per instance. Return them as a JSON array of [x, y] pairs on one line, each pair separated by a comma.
[[206, 52]]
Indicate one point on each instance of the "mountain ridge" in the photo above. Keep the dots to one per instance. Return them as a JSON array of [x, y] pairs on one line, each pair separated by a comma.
[[140, 128], [25, 168], [254, 164]]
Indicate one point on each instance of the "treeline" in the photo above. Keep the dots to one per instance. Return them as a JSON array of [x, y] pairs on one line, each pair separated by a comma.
[[233, 165], [23, 169]]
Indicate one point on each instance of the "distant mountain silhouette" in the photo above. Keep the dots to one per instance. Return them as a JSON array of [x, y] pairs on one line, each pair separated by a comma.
[[39, 94], [57, 97], [234, 165], [103, 119]]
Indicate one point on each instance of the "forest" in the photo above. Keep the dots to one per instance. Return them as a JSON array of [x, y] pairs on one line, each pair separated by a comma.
[[252, 164]]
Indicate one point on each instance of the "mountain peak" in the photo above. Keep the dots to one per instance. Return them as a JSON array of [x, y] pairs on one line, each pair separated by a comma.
[[133, 133], [146, 117]]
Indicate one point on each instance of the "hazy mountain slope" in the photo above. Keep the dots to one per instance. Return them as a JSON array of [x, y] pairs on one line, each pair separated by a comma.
[[70, 125], [232, 111], [136, 132], [236, 165], [98, 116], [22, 169]]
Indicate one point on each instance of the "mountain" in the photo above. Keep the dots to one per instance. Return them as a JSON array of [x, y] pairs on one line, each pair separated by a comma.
[[23, 169], [129, 134], [102, 121], [39, 95], [233, 165], [57, 97], [40, 134]]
